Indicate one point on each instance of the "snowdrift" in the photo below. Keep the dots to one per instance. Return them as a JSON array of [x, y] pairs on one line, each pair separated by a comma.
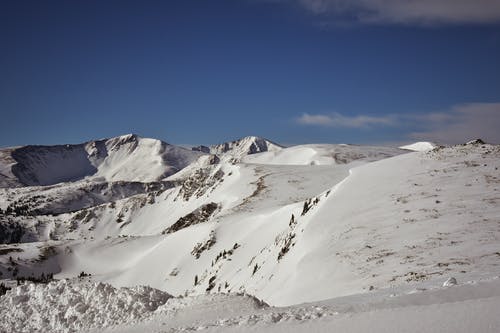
[[65, 306]]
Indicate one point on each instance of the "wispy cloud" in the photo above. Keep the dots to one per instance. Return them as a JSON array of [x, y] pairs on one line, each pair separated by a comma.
[[461, 123], [338, 120], [458, 124], [416, 12]]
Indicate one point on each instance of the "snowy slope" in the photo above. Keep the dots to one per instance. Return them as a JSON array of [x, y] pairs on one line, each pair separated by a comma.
[[470, 306], [395, 221], [288, 225], [325, 154]]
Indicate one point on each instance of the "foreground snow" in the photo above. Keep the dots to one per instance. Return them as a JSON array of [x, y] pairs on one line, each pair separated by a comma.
[[64, 306], [76, 306]]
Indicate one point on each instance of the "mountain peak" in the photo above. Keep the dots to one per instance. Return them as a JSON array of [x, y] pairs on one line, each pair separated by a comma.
[[254, 138], [245, 146], [127, 157], [129, 136]]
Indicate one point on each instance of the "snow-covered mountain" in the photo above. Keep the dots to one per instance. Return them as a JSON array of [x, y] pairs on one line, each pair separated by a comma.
[[124, 158], [286, 225], [237, 149]]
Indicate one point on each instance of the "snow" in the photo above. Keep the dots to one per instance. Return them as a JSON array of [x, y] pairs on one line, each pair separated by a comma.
[[141, 159], [124, 158], [414, 225], [237, 149], [64, 306], [82, 306], [325, 154], [394, 221], [419, 146], [339, 237]]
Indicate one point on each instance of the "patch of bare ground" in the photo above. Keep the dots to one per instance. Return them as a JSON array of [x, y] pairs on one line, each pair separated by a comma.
[[259, 189]]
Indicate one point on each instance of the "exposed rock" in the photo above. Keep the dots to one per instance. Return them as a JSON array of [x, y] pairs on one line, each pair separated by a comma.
[[199, 248], [199, 215], [475, 142], [203, 149]]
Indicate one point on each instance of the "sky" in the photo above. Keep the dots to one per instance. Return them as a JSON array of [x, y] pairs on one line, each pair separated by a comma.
[[292, 71]]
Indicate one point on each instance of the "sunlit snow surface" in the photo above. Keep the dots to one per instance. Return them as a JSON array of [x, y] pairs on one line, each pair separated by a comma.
[[76, 306], [368, 234], [419, 146]]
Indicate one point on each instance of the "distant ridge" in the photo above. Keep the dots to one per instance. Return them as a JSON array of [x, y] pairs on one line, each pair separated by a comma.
[[245, 146], [126, 157], [419, 146]]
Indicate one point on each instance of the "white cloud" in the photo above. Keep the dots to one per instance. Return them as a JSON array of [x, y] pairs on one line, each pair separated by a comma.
[[461, 123], [338, 120], [421, 12]]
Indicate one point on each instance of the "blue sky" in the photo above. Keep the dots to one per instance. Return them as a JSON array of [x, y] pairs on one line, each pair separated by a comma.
[[294, 71]]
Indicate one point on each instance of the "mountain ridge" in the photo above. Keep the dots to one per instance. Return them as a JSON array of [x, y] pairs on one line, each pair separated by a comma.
[[123, 157]]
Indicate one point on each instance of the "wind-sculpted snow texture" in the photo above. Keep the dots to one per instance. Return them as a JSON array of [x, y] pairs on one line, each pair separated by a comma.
[[287, 225], [63, 306], [80, 306]]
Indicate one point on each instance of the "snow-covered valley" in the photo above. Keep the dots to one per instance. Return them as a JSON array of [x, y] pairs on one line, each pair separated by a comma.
[[249, 235]]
